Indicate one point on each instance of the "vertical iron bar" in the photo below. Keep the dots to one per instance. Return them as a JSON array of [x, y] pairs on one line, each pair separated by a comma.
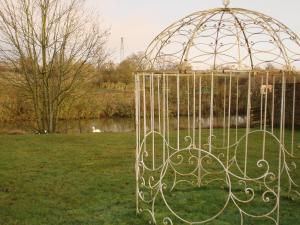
[[273, 103], [164, 118], [168, 122], [294, 111], [200, 130], [224, 111], [211, 112], [283, 85], [237, 109], [188, 106], [152, 120], [265, 115], [158, 103], [145, 112], [194, 110], [178, 112], [261, 103], [137, 119], [284, 111], [200, 112], [248, 123], [229, 118]]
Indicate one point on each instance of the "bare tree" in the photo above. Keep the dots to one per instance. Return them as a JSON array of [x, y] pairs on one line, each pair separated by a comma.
[[48, 45]]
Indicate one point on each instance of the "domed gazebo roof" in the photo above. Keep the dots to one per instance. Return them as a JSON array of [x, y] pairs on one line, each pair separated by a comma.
[[224, 38]]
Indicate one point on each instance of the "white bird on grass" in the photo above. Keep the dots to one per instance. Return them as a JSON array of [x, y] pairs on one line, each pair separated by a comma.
[[96, 130]]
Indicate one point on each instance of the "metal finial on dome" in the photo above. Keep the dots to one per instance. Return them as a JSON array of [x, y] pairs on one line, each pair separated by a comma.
[[226, 3]]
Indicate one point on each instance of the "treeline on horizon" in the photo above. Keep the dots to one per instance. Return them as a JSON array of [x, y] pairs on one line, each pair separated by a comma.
[[108, 92]]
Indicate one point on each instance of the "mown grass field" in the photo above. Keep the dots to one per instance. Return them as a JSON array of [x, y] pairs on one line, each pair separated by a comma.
[[81, 180]]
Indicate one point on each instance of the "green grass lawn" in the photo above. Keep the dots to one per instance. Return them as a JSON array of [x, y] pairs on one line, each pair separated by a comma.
[[78, 179]]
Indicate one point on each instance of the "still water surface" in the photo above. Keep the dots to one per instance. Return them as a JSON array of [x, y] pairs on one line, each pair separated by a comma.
[[117, 125]]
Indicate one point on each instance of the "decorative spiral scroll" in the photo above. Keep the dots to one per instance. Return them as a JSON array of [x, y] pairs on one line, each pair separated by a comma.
[[162, 185], [159, 187]]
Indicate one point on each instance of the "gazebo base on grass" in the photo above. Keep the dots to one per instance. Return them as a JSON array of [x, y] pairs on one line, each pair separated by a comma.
[[217, 110]]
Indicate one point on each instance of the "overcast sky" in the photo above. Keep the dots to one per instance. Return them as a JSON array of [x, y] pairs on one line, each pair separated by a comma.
[[139, 21]]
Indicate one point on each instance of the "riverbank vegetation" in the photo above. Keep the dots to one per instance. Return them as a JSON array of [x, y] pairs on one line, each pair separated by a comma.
[[108, 93]]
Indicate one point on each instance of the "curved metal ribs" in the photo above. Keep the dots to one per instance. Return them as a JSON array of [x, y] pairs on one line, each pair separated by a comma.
[[230, 38]]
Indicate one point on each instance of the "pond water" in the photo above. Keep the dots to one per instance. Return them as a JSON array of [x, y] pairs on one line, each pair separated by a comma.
[[111, 125], [73, 126], [105, 125]]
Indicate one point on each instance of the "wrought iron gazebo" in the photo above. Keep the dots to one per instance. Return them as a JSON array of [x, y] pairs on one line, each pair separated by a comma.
[[217, 112]]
